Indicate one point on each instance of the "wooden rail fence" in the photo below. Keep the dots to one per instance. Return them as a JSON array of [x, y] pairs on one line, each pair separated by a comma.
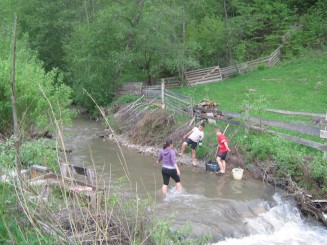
[[259, 124], [182, 104], [203, 76], [172, 101]]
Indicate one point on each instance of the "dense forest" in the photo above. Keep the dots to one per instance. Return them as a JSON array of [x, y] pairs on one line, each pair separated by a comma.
[[64, 46]]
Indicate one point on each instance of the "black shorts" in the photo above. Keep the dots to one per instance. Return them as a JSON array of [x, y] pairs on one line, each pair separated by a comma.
[[192, 143], [222, 155], [167, 173]]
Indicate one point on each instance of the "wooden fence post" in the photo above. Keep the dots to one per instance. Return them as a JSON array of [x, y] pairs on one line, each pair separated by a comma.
[[163, 91], [247, 118], [323, 135]]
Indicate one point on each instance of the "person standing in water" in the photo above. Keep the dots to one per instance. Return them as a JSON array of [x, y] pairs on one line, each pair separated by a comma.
[[169, 167], [192, 138], [223, 150]]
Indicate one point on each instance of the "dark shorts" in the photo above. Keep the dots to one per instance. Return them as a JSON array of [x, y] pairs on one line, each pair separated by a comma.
[[222, 155], [192, 143], [167, 173]]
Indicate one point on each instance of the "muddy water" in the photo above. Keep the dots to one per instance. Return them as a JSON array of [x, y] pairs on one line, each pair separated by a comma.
[[235, 212]]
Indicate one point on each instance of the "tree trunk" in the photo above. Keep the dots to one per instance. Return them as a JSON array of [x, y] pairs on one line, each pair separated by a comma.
[[13, 101], [229, 58]]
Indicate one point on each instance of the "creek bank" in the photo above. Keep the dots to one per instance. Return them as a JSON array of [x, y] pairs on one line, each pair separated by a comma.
[[142, 127], [153, 151], [306, 205]]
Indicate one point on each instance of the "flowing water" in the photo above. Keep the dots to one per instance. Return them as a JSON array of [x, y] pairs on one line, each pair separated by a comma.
[[231, 211]]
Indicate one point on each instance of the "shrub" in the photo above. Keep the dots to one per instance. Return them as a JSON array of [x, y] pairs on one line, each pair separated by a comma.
[[40, 152]]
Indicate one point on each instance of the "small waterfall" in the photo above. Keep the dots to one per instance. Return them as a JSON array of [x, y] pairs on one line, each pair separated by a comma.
[[281, 224]]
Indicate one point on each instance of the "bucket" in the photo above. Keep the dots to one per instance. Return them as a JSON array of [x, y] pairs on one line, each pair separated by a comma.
[[237, 173], [212, 166]]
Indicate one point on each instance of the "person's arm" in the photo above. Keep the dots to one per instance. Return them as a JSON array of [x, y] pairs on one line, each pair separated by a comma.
[[159, 158], [177, 169], [188, 134], [225, 143], [173, 159], [202, 136]]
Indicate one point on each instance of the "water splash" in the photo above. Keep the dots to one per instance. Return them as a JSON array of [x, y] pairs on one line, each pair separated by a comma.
[[282, 224]]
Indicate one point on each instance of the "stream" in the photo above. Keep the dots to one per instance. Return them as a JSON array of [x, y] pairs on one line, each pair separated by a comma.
[[246, 211]]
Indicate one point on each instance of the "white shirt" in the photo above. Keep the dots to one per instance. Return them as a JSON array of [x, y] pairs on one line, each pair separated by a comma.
[[196, 135]]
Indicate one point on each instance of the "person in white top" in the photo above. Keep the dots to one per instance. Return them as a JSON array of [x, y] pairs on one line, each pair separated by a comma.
[[192, 138]]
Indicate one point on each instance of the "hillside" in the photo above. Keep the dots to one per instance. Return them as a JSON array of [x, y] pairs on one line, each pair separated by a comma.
[[297, 85]]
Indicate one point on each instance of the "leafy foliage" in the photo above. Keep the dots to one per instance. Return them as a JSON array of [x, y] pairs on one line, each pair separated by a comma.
[[14, 227], [318, 169], [101, 44], [30, 79], [40, 152]]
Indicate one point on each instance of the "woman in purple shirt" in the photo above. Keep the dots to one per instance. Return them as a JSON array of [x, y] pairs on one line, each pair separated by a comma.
[[169, 167]]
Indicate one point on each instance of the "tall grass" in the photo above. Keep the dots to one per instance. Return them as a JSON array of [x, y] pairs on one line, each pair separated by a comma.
[[121, 216]]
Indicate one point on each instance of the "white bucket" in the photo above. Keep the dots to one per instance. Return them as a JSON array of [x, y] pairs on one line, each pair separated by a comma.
[[237, 173]]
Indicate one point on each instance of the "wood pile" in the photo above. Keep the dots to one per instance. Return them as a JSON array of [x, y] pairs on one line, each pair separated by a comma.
[[206, 109]]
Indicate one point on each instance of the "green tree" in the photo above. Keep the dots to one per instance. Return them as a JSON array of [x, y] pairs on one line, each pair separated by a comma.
[[258, 26], [158, 47], [32, 107], [97, 52]]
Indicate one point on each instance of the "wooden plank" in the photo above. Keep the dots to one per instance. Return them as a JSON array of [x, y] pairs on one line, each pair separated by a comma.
[[199, 81], [172, 107], [323, 123], [296, 113], [185, 97], [176, 98], [201, 78], [305, 142], [323, 134], [177, 103], [289, 126], [204, 82]]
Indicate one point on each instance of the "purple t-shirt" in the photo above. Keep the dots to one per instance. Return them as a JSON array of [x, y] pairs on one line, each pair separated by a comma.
[[168, 157]]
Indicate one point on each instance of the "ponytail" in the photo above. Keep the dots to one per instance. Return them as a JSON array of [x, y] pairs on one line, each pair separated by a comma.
[[168, 143]]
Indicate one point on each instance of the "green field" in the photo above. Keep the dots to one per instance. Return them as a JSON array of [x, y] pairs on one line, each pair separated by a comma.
[[299, 85]]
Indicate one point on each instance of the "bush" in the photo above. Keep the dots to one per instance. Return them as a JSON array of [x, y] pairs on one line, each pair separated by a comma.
[[15, 228], [40, 152], [318, 169], [32, 84]]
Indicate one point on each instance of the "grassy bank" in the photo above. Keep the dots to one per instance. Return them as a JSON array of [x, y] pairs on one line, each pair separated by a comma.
[[299, 85]]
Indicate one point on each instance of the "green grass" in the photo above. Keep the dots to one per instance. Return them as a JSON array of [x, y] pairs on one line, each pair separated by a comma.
[[297, 85], [14, 225]]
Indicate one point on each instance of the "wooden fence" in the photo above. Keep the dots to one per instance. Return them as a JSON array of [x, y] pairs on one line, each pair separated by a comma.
[[203, 76], [182, 104], [170, 100], [259, 124], [131, 88], [215, 74]]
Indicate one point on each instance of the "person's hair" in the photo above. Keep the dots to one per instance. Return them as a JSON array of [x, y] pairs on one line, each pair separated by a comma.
[[218, 130], [168, 143], [202, 125]]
